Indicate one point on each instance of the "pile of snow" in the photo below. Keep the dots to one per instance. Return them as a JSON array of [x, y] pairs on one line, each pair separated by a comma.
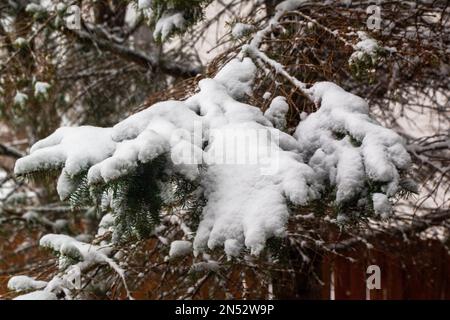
[[37, 295], [25, 283], [180, 248], [346, 148], [277, 112], [144, 4], [20, 42]]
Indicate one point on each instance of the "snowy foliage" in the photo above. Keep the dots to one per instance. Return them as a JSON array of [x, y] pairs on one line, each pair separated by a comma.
[[366, 54], [74, 258], [347, 149], [247, 202], [227, 174]]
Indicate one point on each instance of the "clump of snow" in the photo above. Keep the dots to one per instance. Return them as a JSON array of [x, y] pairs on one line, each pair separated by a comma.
[[303, 115], [237, 77], [381, 204], [75, 149], [20, 42], [20, 99], [266, 95], [346, 147], [34, 8], [205, 266], [61, 7], [144, 4], [145, 7], [37, 295], [106, 224], [277, 112], [41, 88], [180, 248], [232, 248], [167, 24], [241, 29], [366, 48], [25, 283]]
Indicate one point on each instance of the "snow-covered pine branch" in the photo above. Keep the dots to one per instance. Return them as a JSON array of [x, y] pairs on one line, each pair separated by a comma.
[[339, 146], [338, 154]]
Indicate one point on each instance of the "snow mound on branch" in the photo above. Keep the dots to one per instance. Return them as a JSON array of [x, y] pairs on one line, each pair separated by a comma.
[[25, 283], [248, 190], [180, 248], [167, 24], [74, 149], [237, 77], [75, 257], [347, 148], [37, 295], [381, 204], [277, 112], [75, 249]]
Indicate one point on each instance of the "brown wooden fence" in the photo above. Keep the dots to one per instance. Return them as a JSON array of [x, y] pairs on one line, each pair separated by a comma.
[[419, 270]]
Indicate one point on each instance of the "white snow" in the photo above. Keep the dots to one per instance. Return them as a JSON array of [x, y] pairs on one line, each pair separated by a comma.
[[250, 169], [381, 204], [41, 88], [106, 224], [75, 149], [37, 295], [85, 256], [25, 283], [167, 24], [341, 162], [277, 112], [34, 8], [366, 47], [180, 248], [20, 42], [241, 29], [205, 266], [144, 4], [289, 5], [20, 98]]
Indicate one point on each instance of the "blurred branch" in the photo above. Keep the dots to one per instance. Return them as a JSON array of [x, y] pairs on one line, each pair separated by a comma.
[[140, 58], [10, 152]]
